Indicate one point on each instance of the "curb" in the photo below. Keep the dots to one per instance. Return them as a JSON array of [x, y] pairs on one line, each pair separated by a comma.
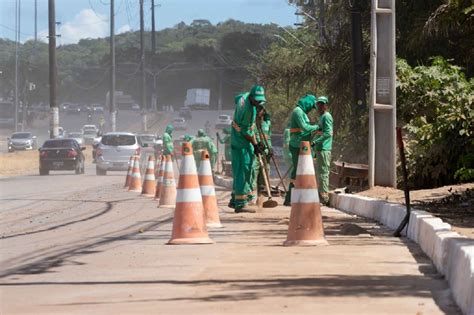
[[451, 253]]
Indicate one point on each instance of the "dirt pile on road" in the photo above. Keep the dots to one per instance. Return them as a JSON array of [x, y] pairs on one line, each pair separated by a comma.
[[25, 162]]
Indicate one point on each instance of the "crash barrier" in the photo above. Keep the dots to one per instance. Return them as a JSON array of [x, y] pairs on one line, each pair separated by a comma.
[[451, 253], [159, 183], [135, 180], [208, 192], [168, 186], [188, 222], [306, 223], [149, 184], [129, 171]]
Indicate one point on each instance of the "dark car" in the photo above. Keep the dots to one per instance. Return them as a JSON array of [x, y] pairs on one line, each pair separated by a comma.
[[61, 154], [73, 109], [185, 113]]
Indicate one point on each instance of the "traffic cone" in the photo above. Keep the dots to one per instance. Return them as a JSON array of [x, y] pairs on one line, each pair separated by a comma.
[[129, 171], [306, 224], [149, 184], [188, 221], [136, 180], [208, 192], [168, 187], [160, 177]]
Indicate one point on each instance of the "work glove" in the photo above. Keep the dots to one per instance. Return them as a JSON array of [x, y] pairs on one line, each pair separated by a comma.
[[257, 149]]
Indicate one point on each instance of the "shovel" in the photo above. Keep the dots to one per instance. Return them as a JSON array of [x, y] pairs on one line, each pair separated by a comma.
[[268, 203]]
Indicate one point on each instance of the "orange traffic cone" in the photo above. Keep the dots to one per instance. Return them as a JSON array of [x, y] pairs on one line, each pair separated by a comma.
[[149, 184], [306, 224], [208, 192], [160, 177], [136, 181], [188, 221], [168, 187], [129, 171]]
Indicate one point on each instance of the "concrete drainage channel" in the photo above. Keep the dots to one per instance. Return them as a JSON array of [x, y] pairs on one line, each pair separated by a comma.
[[451, 253]]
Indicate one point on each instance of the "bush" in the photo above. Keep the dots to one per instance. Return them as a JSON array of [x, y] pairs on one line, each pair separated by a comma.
[[437, 103]]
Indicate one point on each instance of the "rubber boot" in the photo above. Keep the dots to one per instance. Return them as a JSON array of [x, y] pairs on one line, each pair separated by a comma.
[[288, 195]]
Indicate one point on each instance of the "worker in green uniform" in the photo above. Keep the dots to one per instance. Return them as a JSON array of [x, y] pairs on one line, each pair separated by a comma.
[[300, 130], [226, 142], [322, 144], [244, 147], [168, 146], [264, 125], [203, 142]]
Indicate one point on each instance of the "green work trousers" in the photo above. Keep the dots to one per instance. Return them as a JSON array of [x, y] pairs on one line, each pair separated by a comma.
[[242, 171], [323, 163], [294, 165]]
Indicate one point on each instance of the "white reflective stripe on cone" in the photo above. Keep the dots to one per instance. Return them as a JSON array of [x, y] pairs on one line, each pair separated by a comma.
[[188, 167], [305, 165], [208, 191], [205, 168], [304, 195], [149, 177], [169, 167], [151, 165], [189, 195], [136, 175], [168, 182]]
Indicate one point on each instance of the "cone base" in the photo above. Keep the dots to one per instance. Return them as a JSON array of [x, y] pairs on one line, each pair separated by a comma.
[[148, 195], [135, 190], [321, 242], [214, 225], [166, 206], [190, 241]]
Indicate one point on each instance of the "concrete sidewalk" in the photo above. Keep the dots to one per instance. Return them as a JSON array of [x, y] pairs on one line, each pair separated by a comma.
[[247, 271]]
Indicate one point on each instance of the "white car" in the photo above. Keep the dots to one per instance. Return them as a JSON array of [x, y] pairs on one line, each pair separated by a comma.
[[179, 123], [114, 151], [89, 133], [76, 136], [223, 121]]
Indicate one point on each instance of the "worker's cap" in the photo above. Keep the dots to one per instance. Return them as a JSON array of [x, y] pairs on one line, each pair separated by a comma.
[[323, 99], [258, 93], [201, 133], [169, 128]]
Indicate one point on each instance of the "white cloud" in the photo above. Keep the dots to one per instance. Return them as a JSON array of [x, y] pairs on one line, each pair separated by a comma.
[[86, 24], [124, 28]]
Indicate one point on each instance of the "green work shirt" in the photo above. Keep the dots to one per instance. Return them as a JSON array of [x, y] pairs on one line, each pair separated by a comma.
[[323, 142], [244, 120], [267, 131], [168, 147], [300, 120]]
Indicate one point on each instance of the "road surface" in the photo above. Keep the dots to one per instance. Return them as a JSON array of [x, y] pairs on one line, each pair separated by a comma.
[[80, 244]]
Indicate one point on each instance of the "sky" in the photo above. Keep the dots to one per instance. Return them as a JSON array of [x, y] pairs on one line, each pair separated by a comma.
[[90, 18]]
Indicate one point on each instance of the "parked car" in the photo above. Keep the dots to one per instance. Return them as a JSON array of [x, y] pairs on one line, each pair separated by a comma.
[[76, 136], [61, 154], [185, 113], [147, 140], [114, 151], [179, 123], [97, 109], [135, 107], [223, 121], [89, 133], [21, 141]]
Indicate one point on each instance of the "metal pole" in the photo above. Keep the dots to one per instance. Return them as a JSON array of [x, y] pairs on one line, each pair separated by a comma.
[[153, 43], [17, 39], [54, 112], [359, 97], [112, 109], [142, 69]]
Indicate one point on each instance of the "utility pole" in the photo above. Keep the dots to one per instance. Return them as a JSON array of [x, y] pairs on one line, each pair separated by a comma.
[[54, 112], [153, 41], [112, 109], [358, 67], [17, 40], [142, 69]]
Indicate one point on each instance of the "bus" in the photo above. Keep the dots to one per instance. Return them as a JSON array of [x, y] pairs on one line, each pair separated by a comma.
[[7, 114]]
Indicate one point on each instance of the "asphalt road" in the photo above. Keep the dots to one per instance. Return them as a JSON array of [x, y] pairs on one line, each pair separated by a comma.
[[80, 244]]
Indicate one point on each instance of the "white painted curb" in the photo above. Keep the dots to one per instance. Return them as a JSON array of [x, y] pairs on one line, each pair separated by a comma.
[[451, 253]]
